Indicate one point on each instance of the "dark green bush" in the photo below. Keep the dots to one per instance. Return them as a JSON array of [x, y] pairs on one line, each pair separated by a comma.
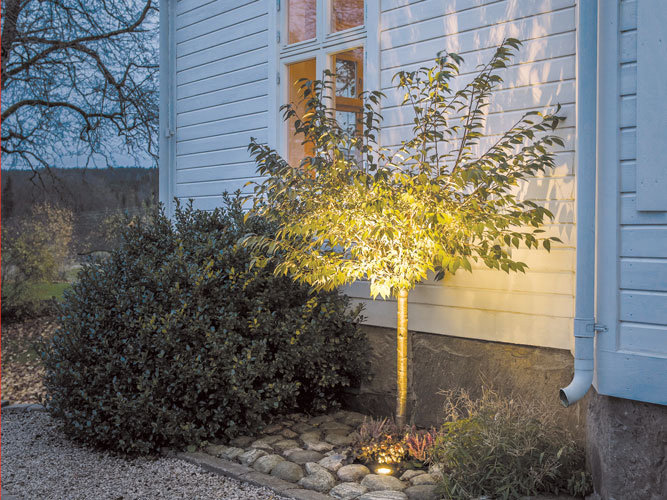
[[506, 448], [175, 339]]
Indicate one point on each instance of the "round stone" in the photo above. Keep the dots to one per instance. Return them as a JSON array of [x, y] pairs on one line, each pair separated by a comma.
[[217, 450], [313, 468], [303, 427], [285, 444], [310, 437], [261, 444], [409, 474], [287, 453], [332, 462], [232, 453], [435, 469], [335, 426], [288, 434], [347, 491], [319, 446], [266, 463], [377, 482], [422, 492], [273, 428], [338, 439], [249, 457], [304, 456], [272, 438], [353, 472], [384, 495], [318, 479], [287, 471], [424, 479], [320, 419], [242, 441]]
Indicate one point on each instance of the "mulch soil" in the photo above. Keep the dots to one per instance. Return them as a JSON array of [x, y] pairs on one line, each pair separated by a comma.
[[22, 370]]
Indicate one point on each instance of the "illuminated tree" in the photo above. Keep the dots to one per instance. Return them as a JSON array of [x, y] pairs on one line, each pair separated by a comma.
[[434, 205]]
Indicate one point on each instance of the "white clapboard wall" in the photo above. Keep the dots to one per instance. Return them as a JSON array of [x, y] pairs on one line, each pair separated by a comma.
[[223, 51], [632, 243], [535, 308], [221, 95]]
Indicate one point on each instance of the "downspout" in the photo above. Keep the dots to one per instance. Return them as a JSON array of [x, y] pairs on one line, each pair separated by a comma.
[[586, 154]]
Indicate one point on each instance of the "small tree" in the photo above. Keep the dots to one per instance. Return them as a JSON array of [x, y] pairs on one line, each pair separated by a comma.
[[436, 204], [38, 247]]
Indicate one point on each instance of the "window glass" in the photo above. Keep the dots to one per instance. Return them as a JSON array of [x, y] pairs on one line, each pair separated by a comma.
[[346, 14], [296, 71], [349, 85], [301, 20]]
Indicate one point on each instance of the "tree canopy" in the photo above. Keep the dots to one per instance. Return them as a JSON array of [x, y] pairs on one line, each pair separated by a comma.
[[79, 78], [445, 198]]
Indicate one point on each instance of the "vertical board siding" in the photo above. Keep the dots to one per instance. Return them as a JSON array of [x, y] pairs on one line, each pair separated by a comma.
[[222, 55], [535, 308], [643, 235]]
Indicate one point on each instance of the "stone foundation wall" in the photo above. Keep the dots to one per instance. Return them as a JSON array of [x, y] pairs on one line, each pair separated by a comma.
[[626, 448], [441, 362]]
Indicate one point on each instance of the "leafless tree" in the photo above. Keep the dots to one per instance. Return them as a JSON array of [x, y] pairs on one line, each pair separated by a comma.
[[79, 78]]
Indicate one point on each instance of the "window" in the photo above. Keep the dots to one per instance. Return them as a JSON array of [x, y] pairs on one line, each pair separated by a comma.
[[337, 35]]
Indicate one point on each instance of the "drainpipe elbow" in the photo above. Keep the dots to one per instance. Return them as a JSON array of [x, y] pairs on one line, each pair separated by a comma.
[[584, 333], [577, 389]]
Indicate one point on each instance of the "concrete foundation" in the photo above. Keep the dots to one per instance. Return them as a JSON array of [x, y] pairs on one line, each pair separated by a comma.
[[440, 362], [627, 448]]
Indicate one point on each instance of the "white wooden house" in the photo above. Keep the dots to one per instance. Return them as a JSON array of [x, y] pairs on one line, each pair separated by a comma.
[[227, 67]]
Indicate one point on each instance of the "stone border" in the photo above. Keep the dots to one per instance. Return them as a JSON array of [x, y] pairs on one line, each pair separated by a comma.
[[249, 475], [310, 458]]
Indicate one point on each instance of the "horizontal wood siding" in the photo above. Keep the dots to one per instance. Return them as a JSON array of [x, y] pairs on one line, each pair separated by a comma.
[[643, 235], [535, 308], [221, 95]]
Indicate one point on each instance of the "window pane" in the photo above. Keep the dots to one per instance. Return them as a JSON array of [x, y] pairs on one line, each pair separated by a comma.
[[346, 14], [301, 20], [296, 71], [349, 68]]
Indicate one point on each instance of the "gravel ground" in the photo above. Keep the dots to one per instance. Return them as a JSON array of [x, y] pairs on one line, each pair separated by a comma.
[[39, 462]]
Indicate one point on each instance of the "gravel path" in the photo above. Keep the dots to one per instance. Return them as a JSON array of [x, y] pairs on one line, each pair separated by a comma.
[[39, 462]]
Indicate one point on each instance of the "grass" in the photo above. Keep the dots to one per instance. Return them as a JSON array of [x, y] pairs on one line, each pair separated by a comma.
[[46, 290]]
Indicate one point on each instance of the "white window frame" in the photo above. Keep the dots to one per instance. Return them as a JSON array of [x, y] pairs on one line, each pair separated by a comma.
[[322, 47]]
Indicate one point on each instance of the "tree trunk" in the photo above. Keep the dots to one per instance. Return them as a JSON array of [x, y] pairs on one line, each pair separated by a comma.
[[402, 357]]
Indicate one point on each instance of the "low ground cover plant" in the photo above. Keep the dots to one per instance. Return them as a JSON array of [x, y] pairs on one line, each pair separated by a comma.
[[382, 441], [175, 338], [493, 446], [506, 448]]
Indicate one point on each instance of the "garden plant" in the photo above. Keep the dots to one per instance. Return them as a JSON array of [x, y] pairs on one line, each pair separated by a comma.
[[506, 447], [442, 201], [174, 340]]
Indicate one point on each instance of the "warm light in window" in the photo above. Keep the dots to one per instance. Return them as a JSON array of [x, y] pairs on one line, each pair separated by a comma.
[[296, 71], [383, 470]]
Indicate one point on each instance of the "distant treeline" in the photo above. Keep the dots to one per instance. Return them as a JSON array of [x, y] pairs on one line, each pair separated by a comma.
[[81, 190], [93, 195]]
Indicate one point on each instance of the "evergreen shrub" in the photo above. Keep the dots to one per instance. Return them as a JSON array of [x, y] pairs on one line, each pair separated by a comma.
[[176, 339]]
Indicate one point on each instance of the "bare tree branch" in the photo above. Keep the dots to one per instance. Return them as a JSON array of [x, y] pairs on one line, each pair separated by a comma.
[[79, 79]]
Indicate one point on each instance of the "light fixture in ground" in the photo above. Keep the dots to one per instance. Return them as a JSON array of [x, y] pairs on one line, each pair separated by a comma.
[[384, 470]]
